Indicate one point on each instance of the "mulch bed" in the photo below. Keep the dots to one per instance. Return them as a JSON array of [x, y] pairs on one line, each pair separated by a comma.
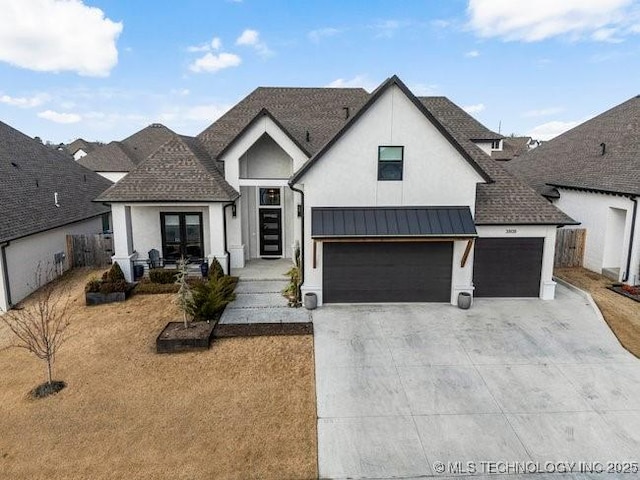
[[262, 329], [175, 338], [626, 291]]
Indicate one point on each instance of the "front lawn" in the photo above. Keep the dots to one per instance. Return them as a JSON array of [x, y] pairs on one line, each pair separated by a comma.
[[621, 314], [243, 409]]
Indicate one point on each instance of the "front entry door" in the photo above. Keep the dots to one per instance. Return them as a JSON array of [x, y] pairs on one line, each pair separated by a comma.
[[270, 232]]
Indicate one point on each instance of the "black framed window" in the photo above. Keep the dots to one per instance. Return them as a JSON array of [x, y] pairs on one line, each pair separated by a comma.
[[182, 236], [270, 196], [390, 162]]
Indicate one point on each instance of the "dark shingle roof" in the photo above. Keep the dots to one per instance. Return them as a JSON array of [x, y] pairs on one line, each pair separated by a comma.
[[30, 174], [81, 143], [179, 171], [575, 158], [457, 119], [124, 155], [319, 111], [511, 147]]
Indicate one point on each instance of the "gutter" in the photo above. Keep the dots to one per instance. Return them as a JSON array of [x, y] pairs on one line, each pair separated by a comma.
[[297, 190], [631, 235], [5, 273], [224, 234]]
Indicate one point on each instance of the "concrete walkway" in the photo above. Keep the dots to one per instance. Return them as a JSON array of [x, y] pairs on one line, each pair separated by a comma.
[[408, 391], [259, 295]]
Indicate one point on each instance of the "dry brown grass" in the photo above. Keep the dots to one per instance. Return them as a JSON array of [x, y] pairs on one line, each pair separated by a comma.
[[621, 313], [244, 409]]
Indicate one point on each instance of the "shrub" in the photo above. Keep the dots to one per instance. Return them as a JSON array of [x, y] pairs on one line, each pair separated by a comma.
[[160, 275], [210, 298], [92, 286], [113, 274], [113, 287], [215, 269]]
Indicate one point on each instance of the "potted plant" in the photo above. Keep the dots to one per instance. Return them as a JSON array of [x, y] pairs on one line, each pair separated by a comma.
[[292, 290]]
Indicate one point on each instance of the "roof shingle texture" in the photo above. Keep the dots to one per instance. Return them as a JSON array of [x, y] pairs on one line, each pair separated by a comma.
[[511, 147], [457, 119], [124, 155], [179, 171], [319, 111], [30, 175], [575, 158]]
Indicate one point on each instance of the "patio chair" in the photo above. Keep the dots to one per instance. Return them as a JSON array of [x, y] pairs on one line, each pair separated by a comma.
[[154, 259]]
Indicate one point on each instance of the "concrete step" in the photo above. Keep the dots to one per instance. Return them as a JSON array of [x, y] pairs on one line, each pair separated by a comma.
[[261, 300], [261, 286], [265, 315]]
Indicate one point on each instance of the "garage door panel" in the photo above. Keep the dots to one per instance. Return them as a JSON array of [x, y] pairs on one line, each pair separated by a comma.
[[386, 272], [507, 267]]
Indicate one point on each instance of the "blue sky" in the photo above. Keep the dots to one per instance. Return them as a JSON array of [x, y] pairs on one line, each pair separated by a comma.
[[103, 69]]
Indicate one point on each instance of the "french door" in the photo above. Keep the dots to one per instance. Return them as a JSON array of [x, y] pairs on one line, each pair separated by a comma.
[[182, 236]]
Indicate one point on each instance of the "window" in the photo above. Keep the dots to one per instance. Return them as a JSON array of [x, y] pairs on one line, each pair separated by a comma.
[[181, 236], [496, 145], [390, 161], [269, 196]]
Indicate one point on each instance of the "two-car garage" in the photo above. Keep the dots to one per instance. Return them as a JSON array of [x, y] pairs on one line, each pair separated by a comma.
[[377, 255]]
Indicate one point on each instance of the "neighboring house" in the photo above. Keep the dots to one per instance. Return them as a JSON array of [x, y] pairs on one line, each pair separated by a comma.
[[80, 148], [115, 159], [396, 195], [592, 173], [513, 147], [44, 195]]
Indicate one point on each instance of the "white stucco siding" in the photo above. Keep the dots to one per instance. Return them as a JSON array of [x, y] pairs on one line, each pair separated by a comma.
[[25, 254], [79, 154], [548, 232], [607, 241], [112, 176], [231, 158], [265, 159], [4, 301], [434, 172]]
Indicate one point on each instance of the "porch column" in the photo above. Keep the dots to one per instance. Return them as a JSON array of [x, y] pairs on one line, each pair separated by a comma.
[[548, 286], [216, 235], [123, 239]]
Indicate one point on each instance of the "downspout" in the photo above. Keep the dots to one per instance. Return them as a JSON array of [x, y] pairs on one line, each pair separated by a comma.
[[224, 234], [297, 190], [5, 273], [631, 235]]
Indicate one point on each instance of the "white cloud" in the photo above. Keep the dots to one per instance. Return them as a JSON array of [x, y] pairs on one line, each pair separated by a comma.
[[192, 118], [543, 112], [316, 35], [476, 108], [472, 54], [24, 102], [602, 20], [548, 130], [213, 63], [58, 35], [214, 44], [387, 28], [251, 38], [58, 117], [361, 81]]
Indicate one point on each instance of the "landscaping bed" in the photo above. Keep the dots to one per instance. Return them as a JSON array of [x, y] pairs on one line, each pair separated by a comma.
[[262, 329], [243, 409], [628, 291], [176, 338], [621, 314]]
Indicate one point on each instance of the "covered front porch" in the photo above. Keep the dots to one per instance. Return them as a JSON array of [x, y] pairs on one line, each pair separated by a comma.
[[159, 235]]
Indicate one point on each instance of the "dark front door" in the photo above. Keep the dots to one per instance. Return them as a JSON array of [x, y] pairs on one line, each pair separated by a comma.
[[387, 272], [181, 236], [270, 232], [507, 267]]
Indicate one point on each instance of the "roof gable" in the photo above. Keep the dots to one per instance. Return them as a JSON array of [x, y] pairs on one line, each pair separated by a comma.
[[179, 171], [394, 80], [576, 159], [30, 175]]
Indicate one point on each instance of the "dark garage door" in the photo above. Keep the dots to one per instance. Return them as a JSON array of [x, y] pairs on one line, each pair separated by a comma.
[[507, 267], [387, 272]]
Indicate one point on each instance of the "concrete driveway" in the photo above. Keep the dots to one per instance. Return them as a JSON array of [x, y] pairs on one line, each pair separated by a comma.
[[409, 391]]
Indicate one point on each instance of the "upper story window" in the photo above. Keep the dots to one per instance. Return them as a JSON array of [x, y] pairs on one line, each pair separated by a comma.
[[390, 163], [496, 145]]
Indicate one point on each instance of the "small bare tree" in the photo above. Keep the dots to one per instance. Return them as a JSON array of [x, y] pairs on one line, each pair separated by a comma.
[[40, 325], [184, 297]]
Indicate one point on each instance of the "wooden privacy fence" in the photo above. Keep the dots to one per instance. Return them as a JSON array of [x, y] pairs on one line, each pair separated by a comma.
[[570, 247], [89, 250]]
